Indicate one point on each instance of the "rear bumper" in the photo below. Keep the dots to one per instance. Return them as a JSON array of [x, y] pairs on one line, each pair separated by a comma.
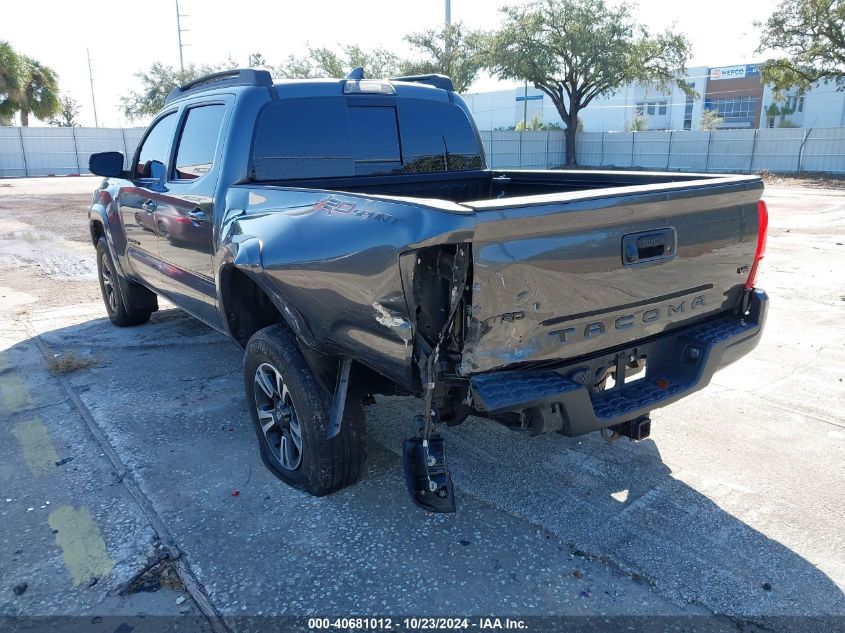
[[679, 363]]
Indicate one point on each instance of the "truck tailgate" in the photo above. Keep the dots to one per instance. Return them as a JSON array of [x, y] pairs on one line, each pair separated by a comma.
[[558, 277]]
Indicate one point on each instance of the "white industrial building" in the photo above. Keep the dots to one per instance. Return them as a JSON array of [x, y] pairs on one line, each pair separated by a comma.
[[735, 91], [823, 106]]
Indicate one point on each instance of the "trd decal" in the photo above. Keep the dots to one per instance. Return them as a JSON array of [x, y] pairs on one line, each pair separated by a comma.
[[340, 207], [507, 317]]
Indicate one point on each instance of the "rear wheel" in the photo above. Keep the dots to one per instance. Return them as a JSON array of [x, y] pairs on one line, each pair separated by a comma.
[[291, 416], [120, 312]]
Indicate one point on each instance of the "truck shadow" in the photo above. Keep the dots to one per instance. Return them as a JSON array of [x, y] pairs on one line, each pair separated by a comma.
[[624, 504], [619, 504]]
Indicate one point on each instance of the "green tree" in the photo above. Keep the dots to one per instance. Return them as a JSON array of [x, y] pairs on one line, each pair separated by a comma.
[[711, 120], [158, 81], [26, 86], [447, 50], [811, 33], [637, 123], [536, 124], [255, 60], [782, 110], [578, 50], [67, 114], [39, 94], [324, 62], [10, 82]]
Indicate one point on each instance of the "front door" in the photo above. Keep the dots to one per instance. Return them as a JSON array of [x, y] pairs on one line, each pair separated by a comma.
[[138, 200], [185, 214]]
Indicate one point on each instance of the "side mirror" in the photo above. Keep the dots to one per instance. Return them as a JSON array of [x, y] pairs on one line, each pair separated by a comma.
[[107, 164], [157, 170]]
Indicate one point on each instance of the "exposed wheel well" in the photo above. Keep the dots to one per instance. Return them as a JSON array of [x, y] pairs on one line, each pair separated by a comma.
[[97, 231], [247, 306], [249, 309]]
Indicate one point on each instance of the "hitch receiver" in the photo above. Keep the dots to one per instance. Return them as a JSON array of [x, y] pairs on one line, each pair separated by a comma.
[[636, 429]]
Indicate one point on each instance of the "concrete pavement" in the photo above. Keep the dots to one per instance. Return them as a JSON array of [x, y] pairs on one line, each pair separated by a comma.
[[734, 505]]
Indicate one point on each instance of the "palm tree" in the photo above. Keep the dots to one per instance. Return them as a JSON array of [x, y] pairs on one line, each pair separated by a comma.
[[10, 80], [39, 93]]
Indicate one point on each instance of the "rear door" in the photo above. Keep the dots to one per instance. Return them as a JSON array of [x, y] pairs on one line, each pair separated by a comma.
[[560, 279], [138, 201], [185, 214]]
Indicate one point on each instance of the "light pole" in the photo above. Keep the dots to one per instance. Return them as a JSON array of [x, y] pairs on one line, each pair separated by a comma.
[[91, 81], [525, 107], [179, 31], [448, 24]]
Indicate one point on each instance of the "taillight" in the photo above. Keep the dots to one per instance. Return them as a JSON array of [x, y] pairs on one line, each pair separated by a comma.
[[762, 227]]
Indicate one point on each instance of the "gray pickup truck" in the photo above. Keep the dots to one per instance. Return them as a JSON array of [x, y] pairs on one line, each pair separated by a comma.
[[348, 235]]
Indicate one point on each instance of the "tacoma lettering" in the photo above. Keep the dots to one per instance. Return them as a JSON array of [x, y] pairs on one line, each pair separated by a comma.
[[597, 328]]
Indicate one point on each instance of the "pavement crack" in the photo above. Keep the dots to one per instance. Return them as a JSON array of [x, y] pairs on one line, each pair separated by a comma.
[[180, 565]]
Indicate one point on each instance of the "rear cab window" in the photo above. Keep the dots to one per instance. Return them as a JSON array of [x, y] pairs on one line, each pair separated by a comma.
[[336, 137], [437, 137], [198, 141]]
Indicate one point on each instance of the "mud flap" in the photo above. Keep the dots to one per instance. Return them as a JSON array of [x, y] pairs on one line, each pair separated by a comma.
[[137, 298], [426, 475]]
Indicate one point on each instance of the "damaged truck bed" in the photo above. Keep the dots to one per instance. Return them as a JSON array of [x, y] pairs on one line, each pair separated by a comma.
[[349, 236]]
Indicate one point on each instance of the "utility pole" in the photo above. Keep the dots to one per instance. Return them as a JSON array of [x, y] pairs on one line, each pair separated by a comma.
[[179, 31], [91, 81], [448, 24], [525, 107]]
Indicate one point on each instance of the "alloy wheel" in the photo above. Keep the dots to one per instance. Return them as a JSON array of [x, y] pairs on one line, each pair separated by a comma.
[[108, 284], [277, 416]]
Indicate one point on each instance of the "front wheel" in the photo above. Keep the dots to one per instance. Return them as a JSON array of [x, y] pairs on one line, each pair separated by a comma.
[[120, 312], [291, 417], [164, 233]]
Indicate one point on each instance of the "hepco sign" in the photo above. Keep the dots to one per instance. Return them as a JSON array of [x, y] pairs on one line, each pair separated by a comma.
[[734, 72]]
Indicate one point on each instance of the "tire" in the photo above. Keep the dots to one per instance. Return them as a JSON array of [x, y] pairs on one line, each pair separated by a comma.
[[294, 408], [163, 232], [120, 311]]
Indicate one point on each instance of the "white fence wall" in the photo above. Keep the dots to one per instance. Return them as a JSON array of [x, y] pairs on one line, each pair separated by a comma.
[[787, 150], [47, 151], [58, 151], [535, 150]]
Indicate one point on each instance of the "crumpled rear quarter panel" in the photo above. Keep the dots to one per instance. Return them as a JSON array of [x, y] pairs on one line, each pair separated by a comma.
[[334, 258]]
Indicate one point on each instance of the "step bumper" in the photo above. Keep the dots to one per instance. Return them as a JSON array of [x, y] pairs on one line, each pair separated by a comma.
[[678, 363]]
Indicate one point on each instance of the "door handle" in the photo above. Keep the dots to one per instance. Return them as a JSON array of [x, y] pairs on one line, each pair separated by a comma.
[[197, 215], [149, 206], [648, 246]]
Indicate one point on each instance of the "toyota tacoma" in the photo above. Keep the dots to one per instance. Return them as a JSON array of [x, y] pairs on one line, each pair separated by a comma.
[[349, 236]]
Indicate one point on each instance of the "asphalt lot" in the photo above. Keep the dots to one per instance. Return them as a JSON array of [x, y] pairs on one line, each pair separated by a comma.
[[734, 506]]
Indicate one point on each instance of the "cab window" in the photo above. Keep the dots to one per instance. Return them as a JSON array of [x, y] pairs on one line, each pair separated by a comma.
[[198, 141], [328, 137], [154, 152]]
